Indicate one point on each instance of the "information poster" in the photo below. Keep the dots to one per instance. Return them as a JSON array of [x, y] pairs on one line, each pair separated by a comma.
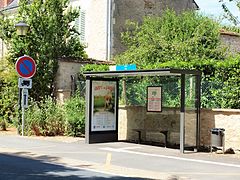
[[103, 106], [154, 99]]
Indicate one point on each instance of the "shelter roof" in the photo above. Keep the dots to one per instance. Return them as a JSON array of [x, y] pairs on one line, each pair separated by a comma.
[[151, 72]]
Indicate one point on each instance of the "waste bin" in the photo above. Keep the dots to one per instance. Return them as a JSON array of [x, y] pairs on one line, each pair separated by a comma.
[[217, 138]]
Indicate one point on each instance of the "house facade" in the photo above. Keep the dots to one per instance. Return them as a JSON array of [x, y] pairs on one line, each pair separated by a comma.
[[7, 7], [102, 21]]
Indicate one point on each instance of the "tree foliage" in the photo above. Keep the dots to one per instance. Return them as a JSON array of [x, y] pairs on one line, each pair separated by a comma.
[[8, 92], [185, 41], [51, 36], [185, 37]]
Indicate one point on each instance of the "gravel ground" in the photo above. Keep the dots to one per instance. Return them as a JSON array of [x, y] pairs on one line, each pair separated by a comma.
[[13, 132]]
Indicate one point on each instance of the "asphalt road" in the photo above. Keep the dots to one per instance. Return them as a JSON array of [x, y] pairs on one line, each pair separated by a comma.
[[13, 167], [30, 158]]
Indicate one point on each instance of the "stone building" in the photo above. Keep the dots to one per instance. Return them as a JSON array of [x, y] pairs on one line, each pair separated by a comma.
[[231, 40], [102, 21]]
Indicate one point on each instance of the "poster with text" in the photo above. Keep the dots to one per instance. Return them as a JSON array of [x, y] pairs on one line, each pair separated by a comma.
[[103, 106], [154, 99]]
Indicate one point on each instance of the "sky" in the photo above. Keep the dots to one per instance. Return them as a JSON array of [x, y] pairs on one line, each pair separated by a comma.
[[213, 8]]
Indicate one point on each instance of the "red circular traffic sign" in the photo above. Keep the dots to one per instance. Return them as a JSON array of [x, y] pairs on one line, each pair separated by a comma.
[[25, 66]]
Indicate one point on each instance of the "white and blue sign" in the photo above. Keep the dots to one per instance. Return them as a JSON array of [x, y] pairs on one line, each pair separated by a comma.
[[25, 98], [25, 66], [127, 67], [24, 83]]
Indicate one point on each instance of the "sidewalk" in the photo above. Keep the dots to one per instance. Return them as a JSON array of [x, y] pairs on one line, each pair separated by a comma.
[[128, 159], [67, 139], [153, 149]]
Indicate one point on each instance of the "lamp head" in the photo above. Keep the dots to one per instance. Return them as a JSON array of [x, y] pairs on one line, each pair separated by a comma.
[[22, 28]]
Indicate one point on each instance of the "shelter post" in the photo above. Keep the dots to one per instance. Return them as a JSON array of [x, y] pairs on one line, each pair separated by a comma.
[[182, 114], [198, 106], [88, 101]]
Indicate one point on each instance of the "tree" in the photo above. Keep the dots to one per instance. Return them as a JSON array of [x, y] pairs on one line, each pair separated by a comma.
[[187, 41], [172, 37], [51, 36]]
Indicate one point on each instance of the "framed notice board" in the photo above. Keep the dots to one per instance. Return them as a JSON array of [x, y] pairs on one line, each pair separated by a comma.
[[154, 99]]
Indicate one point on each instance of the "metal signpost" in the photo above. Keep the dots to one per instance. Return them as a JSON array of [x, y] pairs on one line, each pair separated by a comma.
[[26, 68]]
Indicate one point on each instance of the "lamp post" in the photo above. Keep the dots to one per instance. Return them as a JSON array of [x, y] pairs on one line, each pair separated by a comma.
[[22, 29]]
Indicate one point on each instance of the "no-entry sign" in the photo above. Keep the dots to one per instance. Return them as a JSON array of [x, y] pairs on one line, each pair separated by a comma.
[[25, 66]]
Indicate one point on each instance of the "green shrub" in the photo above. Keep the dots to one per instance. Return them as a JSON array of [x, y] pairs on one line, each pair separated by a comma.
[[49, 118], [94, 67], [34, 122], [44, 118], [226, 81], [8, 92], [74, 115]]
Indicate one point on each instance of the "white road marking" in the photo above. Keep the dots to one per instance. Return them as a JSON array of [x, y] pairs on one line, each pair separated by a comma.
[[170, 157], [129, 148], [108, 159]]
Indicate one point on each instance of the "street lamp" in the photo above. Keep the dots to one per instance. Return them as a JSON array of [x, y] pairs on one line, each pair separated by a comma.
[[22, 28]]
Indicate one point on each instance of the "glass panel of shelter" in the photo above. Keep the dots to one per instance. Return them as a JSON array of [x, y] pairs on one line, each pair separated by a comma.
[[159, 128], [190, 112]]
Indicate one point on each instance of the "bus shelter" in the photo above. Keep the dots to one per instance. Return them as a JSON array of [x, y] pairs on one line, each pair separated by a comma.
[[102, 101]]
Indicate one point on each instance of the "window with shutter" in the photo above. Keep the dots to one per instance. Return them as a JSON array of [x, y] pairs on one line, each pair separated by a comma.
[[82, 28], [77, 24]]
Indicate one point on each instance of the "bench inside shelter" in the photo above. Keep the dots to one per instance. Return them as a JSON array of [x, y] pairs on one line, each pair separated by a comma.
[[141, 131], [138, 125]]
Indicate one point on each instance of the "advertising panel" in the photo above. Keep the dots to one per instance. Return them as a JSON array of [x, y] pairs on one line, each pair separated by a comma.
[[104, 106]]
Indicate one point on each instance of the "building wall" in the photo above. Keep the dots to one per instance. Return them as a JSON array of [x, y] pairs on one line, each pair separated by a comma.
[[122, 10], [95, 26], [221, 118], [136, 117], [97, 20], [96, 35], [68, 67], [231, 40], [63, 78]]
